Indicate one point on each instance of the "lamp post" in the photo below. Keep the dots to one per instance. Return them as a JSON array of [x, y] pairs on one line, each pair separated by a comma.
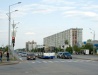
[[93, 40], [10, 24], [13, 35]]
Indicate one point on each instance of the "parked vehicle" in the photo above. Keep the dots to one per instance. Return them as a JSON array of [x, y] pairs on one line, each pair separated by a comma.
[[24, 54], [66, 55], [19, 53], [59, 54], [31, 56], [36, 54]]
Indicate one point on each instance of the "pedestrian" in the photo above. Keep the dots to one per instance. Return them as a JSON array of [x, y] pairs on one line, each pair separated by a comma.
[[1, 56], [7, 55]]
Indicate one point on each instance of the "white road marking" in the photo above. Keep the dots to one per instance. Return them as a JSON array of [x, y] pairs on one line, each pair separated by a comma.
[[33, 62], [88, 60], [38, 61], [21, 59], [62, 61], [56, 61], [50, 61], [45, 61]]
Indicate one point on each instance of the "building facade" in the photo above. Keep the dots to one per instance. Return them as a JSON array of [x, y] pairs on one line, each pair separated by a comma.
[[73, 36], [30, 45]]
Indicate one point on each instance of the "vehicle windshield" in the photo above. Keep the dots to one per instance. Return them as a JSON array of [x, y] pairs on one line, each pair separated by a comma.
[[31, 54], [66, 53], [24, 53]]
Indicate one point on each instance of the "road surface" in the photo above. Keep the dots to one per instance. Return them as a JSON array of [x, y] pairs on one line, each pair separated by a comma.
[[51, 67]]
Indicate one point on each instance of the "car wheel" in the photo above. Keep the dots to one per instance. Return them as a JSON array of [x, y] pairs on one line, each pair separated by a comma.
[[34, 59]]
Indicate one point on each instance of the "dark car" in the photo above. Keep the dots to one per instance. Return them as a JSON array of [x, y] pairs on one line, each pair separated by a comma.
[[66, 55], [59, 54], [31, 56]]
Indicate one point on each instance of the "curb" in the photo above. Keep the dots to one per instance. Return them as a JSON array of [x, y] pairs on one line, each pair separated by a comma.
[[9, 63], [86, 59]]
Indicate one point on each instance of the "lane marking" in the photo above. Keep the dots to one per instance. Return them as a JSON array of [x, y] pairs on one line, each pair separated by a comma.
[[38, 61], [50, 61], [56, 61], [62, 61], [33, 62], [59, 61], [45, 61], [21, 59]]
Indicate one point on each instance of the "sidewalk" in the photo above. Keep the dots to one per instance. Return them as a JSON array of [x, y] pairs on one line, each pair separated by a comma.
[[11, 62], [8, 62], [86, 57]]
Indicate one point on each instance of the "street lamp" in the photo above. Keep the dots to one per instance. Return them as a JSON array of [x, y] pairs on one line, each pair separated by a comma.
[[10, 13], [10, 24], [14, 28], [93, 39], [14, 35]]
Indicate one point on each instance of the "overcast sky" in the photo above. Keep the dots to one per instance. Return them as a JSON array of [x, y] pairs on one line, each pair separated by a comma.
[[42, 18]]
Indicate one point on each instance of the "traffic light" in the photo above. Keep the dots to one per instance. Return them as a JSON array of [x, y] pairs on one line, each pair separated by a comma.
[[13, 39], [13, 44]]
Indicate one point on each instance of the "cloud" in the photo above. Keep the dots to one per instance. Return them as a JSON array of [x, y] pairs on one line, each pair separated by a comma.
[[63, 6], [29, 33], [66, 8], [3, 14], [83, 13], [1, 31], [58, 2], [43, 11], [90, 7]]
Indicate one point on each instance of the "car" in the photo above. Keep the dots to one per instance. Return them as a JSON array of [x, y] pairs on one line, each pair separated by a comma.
[[31, 56], [19, 53], [59, 54], [66, 55], [24, 54]]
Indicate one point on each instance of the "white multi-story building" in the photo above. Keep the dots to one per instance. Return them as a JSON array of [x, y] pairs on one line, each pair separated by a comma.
[[30, 45], [73, 36]]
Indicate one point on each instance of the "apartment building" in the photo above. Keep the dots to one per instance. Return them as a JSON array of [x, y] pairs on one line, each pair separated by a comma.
[[73, 35], [30, 45]]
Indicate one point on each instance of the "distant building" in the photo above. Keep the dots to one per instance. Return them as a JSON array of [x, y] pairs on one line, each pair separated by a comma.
[[39, 46], [94, 42], [31, 45], [73, 35]]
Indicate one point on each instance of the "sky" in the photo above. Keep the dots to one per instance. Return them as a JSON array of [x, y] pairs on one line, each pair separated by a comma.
[[41, 18]]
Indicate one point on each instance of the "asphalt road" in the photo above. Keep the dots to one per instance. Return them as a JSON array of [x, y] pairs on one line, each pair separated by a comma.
[[51, 67]]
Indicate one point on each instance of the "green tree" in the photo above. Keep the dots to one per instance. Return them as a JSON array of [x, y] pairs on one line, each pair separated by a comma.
[[66, 42], [58, 49], [89, 46], [89, 41], [6, 49], [76, 48], [69, 49]]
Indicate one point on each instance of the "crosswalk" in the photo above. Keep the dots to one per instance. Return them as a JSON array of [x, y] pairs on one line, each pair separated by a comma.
[[56, 61]]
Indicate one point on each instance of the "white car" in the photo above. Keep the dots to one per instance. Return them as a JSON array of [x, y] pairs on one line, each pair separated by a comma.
[[19, 53], [24, 54]]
